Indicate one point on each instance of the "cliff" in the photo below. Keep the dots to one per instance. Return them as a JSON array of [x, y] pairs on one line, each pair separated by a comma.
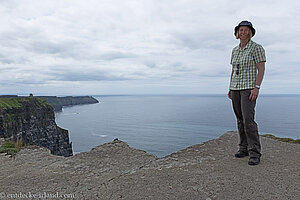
[[32, 120], [114, 170], [58, 102]]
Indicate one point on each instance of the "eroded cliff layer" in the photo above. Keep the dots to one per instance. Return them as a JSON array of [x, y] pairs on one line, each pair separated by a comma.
[[32, 120]]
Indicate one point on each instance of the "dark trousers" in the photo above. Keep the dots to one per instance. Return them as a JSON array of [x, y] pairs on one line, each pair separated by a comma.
[[244, 110]]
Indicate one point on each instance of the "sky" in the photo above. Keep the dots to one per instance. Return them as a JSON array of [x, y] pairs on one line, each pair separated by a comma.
[[97, 47]]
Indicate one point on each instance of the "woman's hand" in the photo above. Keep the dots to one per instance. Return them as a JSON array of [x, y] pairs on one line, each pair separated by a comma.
[[254, 94], [229, 95]]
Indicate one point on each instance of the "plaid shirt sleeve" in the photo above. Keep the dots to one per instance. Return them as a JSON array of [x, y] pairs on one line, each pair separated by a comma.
[[259, 54]]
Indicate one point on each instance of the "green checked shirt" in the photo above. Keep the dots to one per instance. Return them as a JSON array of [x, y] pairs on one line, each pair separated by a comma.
[[243, 63]]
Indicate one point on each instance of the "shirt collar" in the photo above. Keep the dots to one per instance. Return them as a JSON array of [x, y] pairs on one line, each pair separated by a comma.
[[247, 46]]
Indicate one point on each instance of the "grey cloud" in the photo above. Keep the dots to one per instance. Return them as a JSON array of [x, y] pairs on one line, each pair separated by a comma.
[[6, 61], [22, 82], [173, 41], [115, 55], [82, 75], [200, 40], [8, 68], [181, 67], [48, 47], [190, 41], [76, 50], [150, 63]]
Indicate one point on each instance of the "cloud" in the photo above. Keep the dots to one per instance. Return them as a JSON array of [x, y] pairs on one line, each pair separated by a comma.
[[84, 75], [110, 43]]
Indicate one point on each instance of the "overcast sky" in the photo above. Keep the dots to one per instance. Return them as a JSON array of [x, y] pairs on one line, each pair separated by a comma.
[[78, 47]]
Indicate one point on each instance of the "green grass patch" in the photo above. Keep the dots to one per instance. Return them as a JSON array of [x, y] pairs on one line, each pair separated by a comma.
[[289, 140], [11, 148], [8, 103], [42, 102], [9, 151], [8, 144]]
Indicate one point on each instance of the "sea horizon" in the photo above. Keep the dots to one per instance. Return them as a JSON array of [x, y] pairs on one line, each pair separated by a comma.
[[148, 94], [163, 124]]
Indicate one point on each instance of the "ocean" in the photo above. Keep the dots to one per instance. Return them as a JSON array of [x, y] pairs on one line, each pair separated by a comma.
[[163, 124]]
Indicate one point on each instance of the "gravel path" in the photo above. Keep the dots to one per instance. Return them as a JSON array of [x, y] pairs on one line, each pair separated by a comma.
[[116, 171]]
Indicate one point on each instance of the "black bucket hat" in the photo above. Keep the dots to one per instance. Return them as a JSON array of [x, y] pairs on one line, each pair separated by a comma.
[[244, 23]]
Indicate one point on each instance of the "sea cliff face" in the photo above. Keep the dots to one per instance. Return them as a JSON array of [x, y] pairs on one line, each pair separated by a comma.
[[32, 120]]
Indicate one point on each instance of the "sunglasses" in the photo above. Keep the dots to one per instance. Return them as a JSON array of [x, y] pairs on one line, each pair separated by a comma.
[[238, 69]]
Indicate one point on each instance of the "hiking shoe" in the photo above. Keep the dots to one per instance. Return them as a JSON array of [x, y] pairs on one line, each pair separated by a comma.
[[241, 154], [254, 161]]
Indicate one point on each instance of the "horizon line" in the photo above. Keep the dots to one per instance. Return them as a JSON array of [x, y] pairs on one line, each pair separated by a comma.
[[153, 94]]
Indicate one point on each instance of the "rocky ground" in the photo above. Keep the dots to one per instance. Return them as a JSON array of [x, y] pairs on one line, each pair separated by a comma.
[[116, 171]]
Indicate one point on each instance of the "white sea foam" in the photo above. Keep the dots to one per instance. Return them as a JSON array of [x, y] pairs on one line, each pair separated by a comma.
[[99, 135]]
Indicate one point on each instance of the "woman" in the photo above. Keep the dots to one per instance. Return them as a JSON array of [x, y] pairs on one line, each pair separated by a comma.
[[248, 66]]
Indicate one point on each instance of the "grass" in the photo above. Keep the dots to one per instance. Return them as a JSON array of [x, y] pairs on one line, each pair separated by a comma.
[[11, 148], [9, 103], [289, 140], [42, 102]]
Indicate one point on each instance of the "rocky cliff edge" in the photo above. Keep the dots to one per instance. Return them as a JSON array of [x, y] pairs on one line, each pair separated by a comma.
[[116, 171]]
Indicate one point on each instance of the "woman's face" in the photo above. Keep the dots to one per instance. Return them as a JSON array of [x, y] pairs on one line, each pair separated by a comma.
[[244, 32]]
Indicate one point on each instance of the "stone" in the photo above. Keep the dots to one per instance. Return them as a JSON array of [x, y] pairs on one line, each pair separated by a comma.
[[115, 170]]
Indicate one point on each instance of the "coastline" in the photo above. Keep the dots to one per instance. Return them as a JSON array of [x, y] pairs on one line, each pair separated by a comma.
[[114, 170]]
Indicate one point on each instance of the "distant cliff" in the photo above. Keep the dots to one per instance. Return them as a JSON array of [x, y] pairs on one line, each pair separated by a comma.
[[58, 102], [32, 119]]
